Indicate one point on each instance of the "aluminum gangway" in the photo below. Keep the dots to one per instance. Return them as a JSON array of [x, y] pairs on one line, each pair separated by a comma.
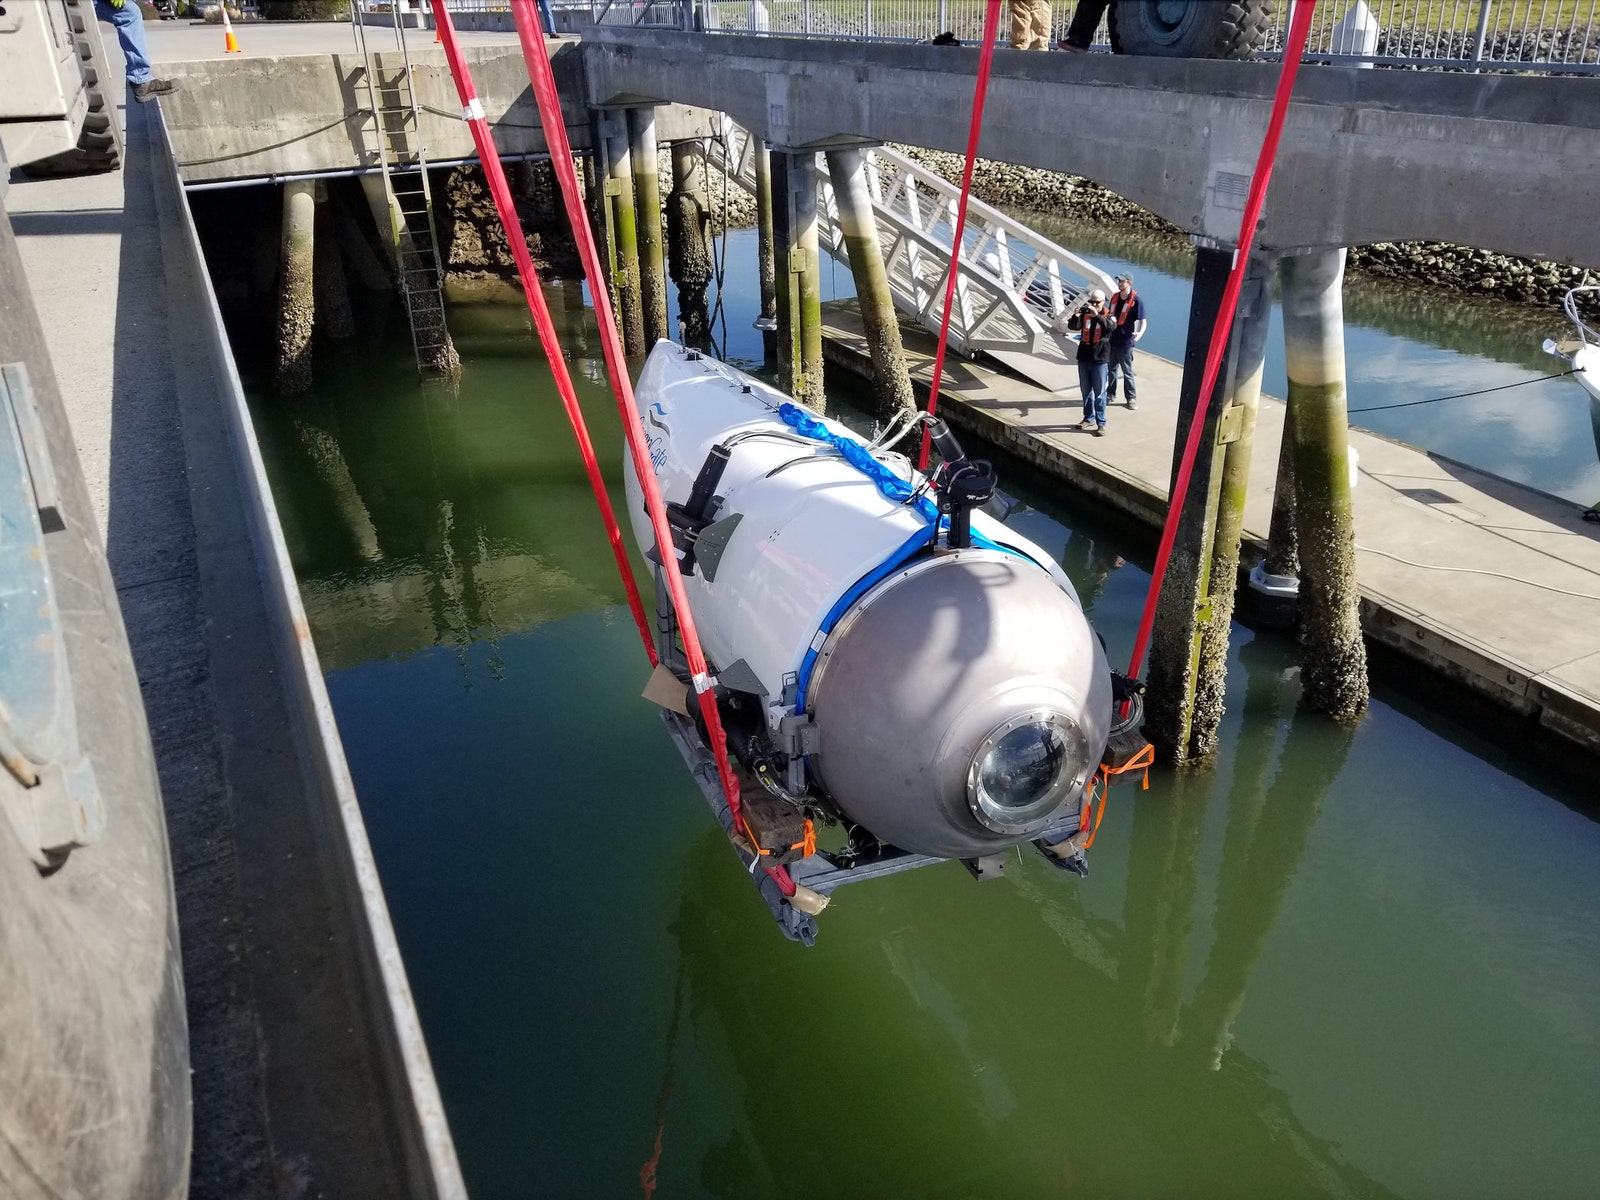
[[1014, 290]]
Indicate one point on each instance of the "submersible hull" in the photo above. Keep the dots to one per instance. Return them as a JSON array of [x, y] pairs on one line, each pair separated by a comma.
[[953, 701]]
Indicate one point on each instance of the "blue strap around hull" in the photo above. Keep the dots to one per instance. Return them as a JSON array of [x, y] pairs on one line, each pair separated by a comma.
[[893, 488]]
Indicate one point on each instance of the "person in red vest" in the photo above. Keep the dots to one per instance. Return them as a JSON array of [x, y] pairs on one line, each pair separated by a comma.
[[1127, 311], [1094, 325]]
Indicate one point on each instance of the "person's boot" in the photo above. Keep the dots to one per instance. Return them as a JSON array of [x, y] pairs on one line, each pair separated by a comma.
[[150, 89]]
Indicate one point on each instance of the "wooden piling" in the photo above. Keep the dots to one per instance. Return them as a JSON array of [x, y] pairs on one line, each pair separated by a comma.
[[1333, 657], [1181, 609], [297, 306], [643, 156], [688, 250], [767, 322], [892, 392], [330, 288], [622, 230], [1237, 433], [798, 277]]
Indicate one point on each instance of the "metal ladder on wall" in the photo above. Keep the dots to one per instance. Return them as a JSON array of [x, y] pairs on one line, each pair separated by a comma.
[[1013, 284], [413, 232]]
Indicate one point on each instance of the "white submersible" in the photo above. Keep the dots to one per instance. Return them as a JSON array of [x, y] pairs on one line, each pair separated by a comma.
[[933, 683]]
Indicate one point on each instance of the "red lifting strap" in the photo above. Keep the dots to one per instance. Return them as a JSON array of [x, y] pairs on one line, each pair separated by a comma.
[[1299, 26], [991, 31], [544, 89], [495, 174]]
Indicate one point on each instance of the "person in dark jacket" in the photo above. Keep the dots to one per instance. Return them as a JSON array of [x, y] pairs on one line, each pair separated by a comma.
[[1127, 310], [1094, 324]]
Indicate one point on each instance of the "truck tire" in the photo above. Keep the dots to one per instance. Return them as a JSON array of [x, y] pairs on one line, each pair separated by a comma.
[[1189, 28], [100, 142]]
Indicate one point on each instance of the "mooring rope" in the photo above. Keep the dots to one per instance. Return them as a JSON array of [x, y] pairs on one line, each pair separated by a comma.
[[1299, 27], [1464, 395]]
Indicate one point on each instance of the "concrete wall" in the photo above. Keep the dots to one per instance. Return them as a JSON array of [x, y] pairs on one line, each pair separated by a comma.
[[270, 116], [1500, 162], [411, 1107]]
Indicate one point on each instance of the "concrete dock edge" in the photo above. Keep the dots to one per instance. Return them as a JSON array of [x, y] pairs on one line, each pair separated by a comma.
[[433, 1170]]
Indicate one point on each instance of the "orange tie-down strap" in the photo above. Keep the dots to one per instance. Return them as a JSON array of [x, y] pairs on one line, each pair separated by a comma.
[[807, 845], [1139, 762], [1103, 779]]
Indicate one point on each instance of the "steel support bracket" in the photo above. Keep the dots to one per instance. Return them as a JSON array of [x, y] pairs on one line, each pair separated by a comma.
[[797, 261], [1230, 426]]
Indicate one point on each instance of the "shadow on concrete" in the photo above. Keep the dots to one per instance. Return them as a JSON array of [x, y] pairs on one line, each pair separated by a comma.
[[76, 223]]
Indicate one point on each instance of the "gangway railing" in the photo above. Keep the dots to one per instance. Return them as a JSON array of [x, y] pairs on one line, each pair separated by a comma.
[[1014, 287]]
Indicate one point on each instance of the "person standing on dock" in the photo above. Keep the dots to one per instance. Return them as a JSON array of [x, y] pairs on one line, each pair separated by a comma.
[[1127, 311], [125, 16], [1030, 24], [1094, 325]]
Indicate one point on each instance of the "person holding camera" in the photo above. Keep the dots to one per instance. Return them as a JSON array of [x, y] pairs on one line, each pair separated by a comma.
[[1095, 325]]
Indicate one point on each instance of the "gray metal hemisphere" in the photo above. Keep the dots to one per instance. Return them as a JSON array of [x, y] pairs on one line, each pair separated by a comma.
[[961, 704]]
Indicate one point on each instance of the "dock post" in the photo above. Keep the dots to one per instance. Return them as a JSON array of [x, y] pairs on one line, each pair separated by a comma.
[[688, 252], [892, 393], [330, 288], [1333, 658], [297, 307], [799, 276], [1237, 434], [765, 258], [385, 220], [1283, 541], [1183, 608], [621, 227], [644, 157]]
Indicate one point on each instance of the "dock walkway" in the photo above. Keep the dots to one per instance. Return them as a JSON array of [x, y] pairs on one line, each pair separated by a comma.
[[1494, 584]]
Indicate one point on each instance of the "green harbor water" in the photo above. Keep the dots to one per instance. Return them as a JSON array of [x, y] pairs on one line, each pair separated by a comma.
[[1335, 962]]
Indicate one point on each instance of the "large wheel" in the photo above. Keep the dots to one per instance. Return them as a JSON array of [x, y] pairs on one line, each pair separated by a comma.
[[1189, 28], [100, 141]]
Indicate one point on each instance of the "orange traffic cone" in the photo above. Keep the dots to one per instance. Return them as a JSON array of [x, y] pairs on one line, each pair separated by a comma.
[[231, 46]]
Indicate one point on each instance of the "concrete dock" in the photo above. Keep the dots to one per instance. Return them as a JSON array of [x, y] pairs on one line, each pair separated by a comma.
[[294, 1017], [1491, 583]]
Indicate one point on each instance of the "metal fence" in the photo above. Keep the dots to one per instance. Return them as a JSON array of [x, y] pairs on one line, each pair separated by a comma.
[[1466, 35]]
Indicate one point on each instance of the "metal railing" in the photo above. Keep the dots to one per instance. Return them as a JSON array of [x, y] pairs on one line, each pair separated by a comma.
[[1464, 35], [1014, 287]]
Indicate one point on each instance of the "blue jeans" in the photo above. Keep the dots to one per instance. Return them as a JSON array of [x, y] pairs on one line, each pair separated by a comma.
[[1122, 360], [1092, 382], [130, 32]]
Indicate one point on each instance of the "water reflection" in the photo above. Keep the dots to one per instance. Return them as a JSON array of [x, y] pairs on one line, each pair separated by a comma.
[[935, 1066], [426, 517], [1201, 1017]]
